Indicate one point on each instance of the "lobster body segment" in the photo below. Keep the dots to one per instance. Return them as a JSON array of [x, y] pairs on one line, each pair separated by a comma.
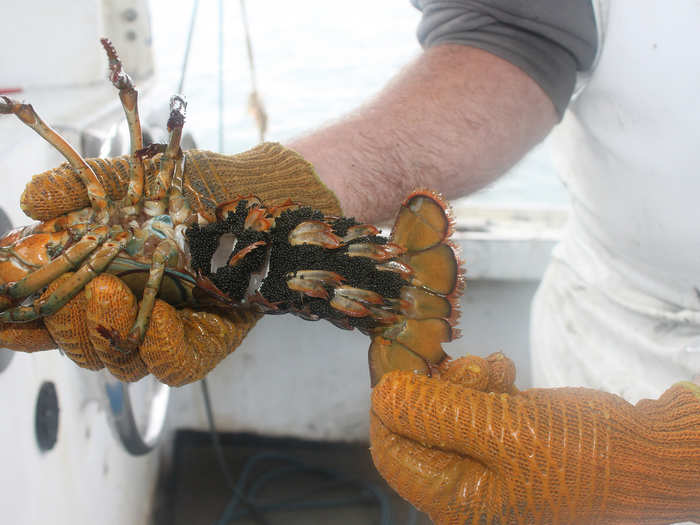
[[158, 219]]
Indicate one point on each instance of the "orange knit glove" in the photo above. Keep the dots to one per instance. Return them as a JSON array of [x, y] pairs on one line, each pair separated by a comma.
[[180, 346], [466, 447]]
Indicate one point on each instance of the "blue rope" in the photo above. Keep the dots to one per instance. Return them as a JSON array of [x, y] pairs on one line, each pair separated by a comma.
[[370, 493]]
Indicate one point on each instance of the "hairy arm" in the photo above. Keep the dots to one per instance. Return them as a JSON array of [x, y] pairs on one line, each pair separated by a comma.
[[453, 120]]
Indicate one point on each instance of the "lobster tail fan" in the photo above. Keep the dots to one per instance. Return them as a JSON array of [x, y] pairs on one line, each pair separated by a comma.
[[427, 305], [435, 269], [424, 220]]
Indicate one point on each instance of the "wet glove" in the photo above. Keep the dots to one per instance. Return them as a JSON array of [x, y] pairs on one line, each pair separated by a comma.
[[467, 447]]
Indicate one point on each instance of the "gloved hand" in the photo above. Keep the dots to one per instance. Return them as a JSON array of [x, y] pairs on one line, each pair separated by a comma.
[[467, 447], [180, 346]]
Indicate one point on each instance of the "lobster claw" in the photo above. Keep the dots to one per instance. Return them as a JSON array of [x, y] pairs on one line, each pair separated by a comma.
[[427, 305]]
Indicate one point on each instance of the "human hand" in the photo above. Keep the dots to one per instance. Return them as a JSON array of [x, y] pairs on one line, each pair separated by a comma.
[[180, 346], [467, 447]]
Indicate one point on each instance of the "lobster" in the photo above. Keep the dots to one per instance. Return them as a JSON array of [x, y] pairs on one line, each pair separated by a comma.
[[162, 241]]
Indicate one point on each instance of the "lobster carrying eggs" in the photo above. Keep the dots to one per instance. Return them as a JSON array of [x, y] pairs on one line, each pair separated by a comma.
[[248, 256], [401, 290]]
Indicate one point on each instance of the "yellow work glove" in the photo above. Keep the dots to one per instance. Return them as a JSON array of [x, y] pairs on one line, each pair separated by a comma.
[[466, 447], [180, 346], [270, 171]]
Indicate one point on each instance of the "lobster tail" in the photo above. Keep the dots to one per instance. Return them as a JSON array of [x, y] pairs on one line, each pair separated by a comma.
[[428, 301], [401, 290]]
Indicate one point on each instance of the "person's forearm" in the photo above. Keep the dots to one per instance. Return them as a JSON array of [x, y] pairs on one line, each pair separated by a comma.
[[454, 120]]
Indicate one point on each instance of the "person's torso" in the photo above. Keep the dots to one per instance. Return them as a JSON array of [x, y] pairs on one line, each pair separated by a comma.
[[629, 149]]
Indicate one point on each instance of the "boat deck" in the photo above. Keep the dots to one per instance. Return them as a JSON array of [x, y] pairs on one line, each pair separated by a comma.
[[315, 482]]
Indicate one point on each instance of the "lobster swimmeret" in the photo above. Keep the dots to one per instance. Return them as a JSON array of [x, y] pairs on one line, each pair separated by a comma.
[[401, 291]]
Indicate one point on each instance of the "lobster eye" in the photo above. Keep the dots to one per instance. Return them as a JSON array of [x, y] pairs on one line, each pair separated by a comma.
[[227, 243]]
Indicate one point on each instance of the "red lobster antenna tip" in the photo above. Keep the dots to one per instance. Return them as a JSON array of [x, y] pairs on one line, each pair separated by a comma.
[[178, 105], [117, 76]]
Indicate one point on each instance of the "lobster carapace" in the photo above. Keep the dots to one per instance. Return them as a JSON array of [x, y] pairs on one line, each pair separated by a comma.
[[401, 290]]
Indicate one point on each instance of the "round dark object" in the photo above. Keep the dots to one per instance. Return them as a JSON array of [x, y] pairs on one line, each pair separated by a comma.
[[46, 417]]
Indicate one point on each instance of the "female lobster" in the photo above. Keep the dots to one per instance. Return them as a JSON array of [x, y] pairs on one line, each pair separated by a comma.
[[161, 238]]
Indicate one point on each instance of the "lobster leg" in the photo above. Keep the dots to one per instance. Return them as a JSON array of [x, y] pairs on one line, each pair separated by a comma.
[[178, 207], [155, 205], [65, 262], [76, 222], [165, 255], [96, 192], [33, 251], [26, 255], [95, 265], [129, 97]]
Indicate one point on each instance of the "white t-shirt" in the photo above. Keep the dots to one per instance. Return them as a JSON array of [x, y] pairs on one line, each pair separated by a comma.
[[619, 307]]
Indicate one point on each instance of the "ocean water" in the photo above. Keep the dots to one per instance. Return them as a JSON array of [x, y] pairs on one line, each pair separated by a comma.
[[314, 61]]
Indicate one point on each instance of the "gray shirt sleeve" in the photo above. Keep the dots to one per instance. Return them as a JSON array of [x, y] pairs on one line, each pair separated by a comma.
[[548, 39]]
